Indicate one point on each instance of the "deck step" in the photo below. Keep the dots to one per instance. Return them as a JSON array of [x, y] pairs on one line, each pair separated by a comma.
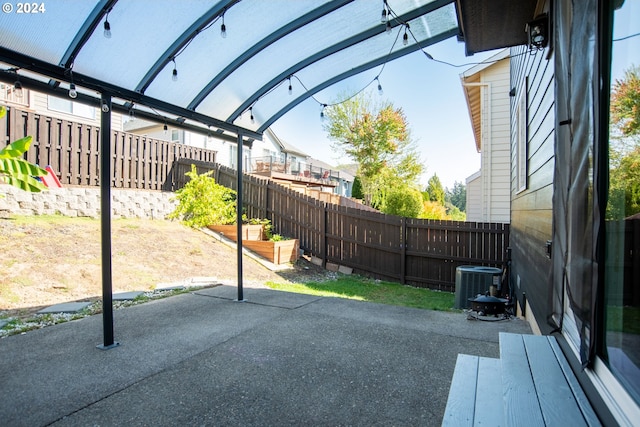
[[531, 384]]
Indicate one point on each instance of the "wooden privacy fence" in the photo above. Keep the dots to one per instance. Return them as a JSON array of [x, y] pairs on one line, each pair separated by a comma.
[[422, 253], [73, 151]]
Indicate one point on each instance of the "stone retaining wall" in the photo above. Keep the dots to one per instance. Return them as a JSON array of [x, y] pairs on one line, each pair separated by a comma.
[[85, 202]]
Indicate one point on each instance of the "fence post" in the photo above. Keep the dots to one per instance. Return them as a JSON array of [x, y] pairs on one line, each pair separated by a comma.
[[323, 234], [403, 249]]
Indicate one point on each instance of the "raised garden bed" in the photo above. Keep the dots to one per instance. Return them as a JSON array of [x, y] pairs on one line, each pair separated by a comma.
[[279, 252]]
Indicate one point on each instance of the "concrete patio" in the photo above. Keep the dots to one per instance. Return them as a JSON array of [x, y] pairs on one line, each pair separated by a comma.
[[277, 359]]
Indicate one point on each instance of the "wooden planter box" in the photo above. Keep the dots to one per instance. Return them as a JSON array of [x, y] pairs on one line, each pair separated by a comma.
[[249, 231], [276, 252]]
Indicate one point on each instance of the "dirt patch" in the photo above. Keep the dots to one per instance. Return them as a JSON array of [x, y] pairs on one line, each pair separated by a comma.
[[50, 260]]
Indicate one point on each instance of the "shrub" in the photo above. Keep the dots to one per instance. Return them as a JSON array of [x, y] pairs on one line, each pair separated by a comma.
[[203, 202]]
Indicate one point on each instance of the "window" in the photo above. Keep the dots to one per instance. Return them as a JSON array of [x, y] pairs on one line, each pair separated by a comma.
[[521, 142], [67, 106], [621, 351], [9, 94]]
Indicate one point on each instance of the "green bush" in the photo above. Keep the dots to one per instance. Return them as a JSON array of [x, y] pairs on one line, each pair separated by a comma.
[[404, 201], [203, 202]]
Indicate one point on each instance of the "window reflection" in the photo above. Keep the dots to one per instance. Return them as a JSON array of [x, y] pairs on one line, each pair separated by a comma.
[[622, 269]]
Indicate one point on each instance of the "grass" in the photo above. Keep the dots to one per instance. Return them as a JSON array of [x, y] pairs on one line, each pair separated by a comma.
[[623, 319], [363, 289]]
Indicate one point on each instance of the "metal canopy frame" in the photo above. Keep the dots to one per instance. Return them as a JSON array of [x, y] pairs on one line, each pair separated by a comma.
[[44, 55]]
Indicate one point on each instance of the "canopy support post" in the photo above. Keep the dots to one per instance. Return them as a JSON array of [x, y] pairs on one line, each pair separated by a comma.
[[105, 222], [239, 215]]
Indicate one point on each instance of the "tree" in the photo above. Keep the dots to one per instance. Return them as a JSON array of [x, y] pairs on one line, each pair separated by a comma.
[[457, 196], [624, 147], [356, 190], [377, 137], [435, 190], [625, 102], [16, 171]]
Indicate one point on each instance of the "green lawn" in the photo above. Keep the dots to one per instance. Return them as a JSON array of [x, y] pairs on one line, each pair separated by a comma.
[[363, 289]]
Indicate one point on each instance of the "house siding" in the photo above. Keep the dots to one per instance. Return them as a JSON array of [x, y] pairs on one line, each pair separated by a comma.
[[39, 103], [496, 150], [531, 207]]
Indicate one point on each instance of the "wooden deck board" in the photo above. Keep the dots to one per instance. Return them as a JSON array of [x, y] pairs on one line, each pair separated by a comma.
[[520, 399], [555, 397], [489, 408], [462, 394]]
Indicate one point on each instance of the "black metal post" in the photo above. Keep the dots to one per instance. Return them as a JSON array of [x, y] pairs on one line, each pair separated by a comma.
[[239, 215], [105, 222]]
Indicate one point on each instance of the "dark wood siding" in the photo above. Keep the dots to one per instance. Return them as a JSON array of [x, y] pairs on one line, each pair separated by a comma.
[[531, 208]]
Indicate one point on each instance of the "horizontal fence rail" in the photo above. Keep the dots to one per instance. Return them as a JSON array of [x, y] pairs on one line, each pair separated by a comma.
[[73, 151]]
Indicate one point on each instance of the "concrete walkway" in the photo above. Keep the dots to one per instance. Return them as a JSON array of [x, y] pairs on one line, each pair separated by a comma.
[[202, 359]]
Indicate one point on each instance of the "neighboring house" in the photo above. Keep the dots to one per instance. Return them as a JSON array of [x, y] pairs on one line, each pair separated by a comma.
[[486, 88], [272, 157], [573, 269], [53, 106]]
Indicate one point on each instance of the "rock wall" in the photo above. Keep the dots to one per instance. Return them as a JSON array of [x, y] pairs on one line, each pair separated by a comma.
[[85, 202]]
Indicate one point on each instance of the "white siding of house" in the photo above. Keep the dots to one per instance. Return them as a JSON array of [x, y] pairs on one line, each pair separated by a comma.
[[474, 197], [39, 103], [491, 188]]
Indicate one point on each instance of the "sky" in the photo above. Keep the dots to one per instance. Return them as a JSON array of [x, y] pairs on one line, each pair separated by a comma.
[[432, 98]]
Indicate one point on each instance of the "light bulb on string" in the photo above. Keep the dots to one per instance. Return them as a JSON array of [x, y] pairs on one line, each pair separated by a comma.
[[107, 27], [73, 93], [405, 37], [253, 119], [223, 29], [380, 91], [383, 18], [165, 129], [174, 73], [322, 117], [17, 87], [290, 87], [388, 30]]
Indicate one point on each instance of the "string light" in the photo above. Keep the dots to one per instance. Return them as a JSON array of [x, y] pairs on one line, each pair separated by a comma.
[[165, 128], [107, 26], [290, 87], [405, 37], [380, 91], [223, 28], [174, 73], [322, 112], [388, 30], [383, 17], [73, 93], [17, 86], [253, 119]]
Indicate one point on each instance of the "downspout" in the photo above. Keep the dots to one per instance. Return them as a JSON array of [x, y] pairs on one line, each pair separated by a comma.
[[485, 136]]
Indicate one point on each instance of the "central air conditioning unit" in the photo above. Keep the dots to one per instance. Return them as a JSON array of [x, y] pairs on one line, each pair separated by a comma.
[[472, 280]]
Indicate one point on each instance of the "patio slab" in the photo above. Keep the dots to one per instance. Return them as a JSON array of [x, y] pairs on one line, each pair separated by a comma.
[[201, 358], [126, 296], [65, 307]]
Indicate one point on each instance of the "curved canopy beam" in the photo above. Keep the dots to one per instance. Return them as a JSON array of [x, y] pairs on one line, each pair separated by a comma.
[[262, 44], [86, 31], [181, 41], [364, 67], [358, 38]]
